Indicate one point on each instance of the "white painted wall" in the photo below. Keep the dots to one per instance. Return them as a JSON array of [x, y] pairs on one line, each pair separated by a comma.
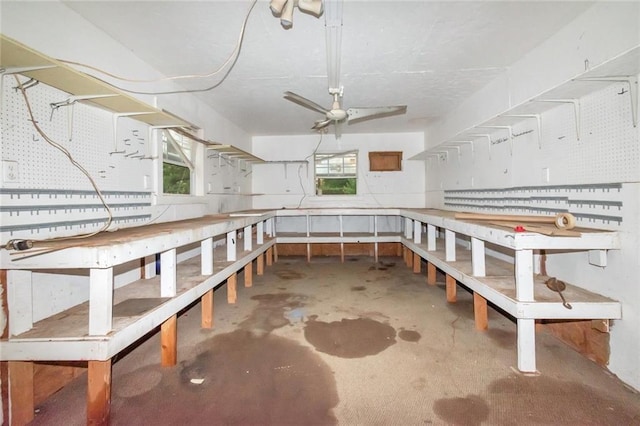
[[606, 152], [34, 23], [53, 29], [604, 31], [291, 185]]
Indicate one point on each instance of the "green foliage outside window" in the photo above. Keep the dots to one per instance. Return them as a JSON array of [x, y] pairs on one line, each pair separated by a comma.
[[176, 155], [336, 173], [175, 179], [336, 186]]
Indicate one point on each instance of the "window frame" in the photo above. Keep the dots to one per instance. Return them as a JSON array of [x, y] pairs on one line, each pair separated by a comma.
[[168, 139], [318, 158]]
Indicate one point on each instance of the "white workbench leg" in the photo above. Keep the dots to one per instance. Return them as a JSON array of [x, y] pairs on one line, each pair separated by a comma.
[[524, 275], [450, 245], [526, 345], [168, 278], [206, 256], [149, 263], [375, 234], [20, 301], [247, 238], [231, 246], [417, 231], [270, 227], [477, 257], [408, 227], [431, 237], [260, 233], [100, 301]]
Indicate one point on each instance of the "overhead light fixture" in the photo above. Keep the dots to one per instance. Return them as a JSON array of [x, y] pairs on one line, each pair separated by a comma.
[[276, 6], [286, 18], [284, 9]]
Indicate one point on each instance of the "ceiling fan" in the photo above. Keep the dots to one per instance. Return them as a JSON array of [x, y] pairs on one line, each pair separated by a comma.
[[336, 115]]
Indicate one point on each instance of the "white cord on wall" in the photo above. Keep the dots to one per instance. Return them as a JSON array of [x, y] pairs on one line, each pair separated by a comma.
[[66, 152]]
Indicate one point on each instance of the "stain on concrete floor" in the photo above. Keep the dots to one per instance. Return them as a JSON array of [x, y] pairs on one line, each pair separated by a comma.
[[246, 380], [409, 335], [469, 411], [563, 402], [349, 338], [270, 313], [288, 274]]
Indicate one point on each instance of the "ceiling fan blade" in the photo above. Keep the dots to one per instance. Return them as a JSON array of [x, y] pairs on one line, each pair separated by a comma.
[[321, 124], [356, 115], [297, 99]]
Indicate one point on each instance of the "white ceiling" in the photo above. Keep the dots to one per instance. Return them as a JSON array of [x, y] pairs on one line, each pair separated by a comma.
[[425, 54]]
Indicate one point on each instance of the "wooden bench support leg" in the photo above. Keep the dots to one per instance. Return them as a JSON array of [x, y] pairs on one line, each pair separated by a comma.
[[405, 255], [169, 342], [409, 258], [248, 274], [270, 256], [99, 392], [431, 273], [399, 248], [232, 288], [275, 253], [260, 264], [20, 383], [206, 304], [451, 289], [480, 312], [416, 263]]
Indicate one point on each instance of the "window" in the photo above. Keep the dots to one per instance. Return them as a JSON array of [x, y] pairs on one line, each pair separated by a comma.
[[177, 167], [336, 173]]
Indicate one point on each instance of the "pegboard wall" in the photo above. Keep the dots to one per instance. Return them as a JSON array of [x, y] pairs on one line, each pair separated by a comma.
[[575, 162], [42, 193]]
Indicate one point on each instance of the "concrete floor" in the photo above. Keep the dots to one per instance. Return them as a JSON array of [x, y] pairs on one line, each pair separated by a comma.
[[353, 343]]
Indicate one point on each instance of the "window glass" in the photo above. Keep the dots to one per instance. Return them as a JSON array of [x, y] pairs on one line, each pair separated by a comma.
[[176, 163], [336, 174]]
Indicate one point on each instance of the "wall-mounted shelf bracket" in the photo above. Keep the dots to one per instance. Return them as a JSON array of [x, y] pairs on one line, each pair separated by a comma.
[[446, 154], [457, 148], [632, 81], [20, 70], [116, 117], [464, 143], [538, 118], [576, 109], [70, 101], [483, 135], [509, 128]]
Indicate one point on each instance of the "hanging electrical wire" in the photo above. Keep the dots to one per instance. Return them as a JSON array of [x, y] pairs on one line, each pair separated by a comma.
[[232, 59], [56, 145], [313, 153]]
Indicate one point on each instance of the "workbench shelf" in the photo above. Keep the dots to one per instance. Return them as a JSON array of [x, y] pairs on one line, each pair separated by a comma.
[[512, 287], [338, 225], [115, 318], [138, 308]]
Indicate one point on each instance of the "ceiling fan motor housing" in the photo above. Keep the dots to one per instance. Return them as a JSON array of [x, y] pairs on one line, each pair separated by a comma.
[[337, 114]]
